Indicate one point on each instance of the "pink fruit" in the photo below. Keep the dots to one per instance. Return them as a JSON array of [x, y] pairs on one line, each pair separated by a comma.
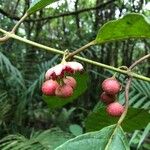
[[111, 86], [49, 87], [115, 109], [107, 99], [70, 81], [64, 91]]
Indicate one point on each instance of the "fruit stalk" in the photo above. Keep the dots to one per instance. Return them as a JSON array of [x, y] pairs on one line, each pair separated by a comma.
[[128, 86]]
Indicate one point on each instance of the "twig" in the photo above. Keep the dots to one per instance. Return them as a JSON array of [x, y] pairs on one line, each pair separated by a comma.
[[19, 22], [77, 57], [59, 15], [80, 49], [139, 61], [6, 37], [128, 86]]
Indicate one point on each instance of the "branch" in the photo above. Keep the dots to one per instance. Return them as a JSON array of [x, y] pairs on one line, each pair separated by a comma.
[[77, 57], [80, 49], [23, 18], [19, 22], [59, 15], [9, 15], [128, 86], [6, 37], [139, 61]]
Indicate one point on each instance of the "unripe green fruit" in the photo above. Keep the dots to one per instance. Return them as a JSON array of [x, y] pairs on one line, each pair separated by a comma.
[[111, 86], [115, 109], [64, 91], [49, 87]]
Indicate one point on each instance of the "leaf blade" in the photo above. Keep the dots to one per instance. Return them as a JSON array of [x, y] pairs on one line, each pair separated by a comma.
[[105, 139], [132, 25], [97, 120], [39, 4]]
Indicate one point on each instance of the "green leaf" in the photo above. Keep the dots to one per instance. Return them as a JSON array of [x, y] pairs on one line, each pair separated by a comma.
[[132, 25], [53, 138], [136, 119], [109, 138], [57, 102], [39, 4], [144, 135], [75, 129], [40, 140]]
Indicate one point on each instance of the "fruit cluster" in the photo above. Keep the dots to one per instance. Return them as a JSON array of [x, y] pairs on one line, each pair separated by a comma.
[[58, 83], [111, 88]]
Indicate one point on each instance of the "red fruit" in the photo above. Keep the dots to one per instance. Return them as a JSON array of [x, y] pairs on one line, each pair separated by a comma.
[[64, 91], [107, 99], [115, 109], [111, 86], [49, 87], [70, 81]]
